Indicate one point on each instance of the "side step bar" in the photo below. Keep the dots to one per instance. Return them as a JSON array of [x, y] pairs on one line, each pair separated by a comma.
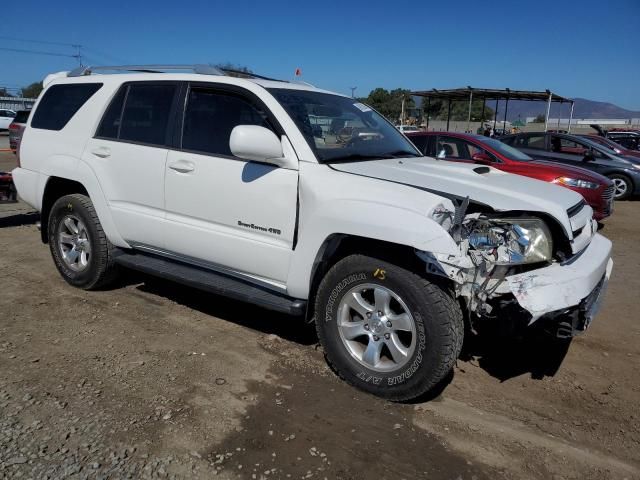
[[209, 281]]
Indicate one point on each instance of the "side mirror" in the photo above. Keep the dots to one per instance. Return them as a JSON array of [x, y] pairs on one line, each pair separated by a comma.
[[252, 142], [482, 157], [589, 155]]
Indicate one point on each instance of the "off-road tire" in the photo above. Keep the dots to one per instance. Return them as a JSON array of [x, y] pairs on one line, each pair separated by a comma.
[[101, 270], [438, 320]]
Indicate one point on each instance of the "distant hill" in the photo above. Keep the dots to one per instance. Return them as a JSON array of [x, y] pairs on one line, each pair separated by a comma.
[[583, 109]]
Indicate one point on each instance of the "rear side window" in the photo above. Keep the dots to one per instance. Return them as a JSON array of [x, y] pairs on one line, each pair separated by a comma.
[[210, 117], [110, 125], [139, 113], [60, 103], [534, 141]]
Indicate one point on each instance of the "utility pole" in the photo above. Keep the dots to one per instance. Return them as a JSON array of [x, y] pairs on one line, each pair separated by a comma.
[[353, 89], [78, 55]]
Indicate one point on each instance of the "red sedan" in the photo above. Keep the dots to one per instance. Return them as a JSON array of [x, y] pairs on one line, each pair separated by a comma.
[[596, 189], [611, 145]]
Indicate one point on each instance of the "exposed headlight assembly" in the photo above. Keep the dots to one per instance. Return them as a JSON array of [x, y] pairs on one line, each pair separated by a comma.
[[511, 241]]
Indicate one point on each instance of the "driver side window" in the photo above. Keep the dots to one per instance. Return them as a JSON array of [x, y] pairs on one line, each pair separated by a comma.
[[210, 117]]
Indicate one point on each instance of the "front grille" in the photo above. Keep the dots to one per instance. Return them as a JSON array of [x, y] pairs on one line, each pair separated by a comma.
[[607, 198], [576, 208]]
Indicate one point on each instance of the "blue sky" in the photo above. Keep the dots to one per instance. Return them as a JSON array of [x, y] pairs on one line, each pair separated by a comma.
[[582, 48]]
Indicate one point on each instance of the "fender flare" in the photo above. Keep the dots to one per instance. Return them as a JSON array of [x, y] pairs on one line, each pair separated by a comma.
[[385, 222], [70, 168]]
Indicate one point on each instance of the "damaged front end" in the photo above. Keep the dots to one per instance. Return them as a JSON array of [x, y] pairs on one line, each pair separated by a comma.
[[508, 265]]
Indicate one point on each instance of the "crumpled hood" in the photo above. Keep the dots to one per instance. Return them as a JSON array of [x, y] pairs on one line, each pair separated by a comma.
[[499, 190]]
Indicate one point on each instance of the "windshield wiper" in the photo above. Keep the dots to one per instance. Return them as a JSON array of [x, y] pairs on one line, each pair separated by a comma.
[[401, 153], [352, 157]]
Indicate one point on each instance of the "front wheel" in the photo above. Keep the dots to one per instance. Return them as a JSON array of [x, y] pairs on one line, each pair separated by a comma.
[[385, 329], [622, 186]]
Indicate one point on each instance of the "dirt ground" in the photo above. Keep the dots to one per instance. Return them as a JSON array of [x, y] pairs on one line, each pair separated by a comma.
[[152, 380]]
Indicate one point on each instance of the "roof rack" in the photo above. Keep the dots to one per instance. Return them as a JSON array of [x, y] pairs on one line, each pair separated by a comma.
[[197, 68]]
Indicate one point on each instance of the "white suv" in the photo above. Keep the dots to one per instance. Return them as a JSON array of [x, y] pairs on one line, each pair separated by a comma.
[[306, 202]]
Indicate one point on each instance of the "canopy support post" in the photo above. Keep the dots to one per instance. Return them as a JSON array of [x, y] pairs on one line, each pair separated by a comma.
[[546, 117], [504, 123], [469, 116], [570, 117], [428, 111]]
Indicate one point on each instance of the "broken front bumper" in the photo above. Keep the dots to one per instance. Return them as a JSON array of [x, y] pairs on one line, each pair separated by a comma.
[[575, 287]]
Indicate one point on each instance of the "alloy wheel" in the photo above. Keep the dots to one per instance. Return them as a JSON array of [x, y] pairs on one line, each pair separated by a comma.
[[376, 327], [74, 243], [620, 187]]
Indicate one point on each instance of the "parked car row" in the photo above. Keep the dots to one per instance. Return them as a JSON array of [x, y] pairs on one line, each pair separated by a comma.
[[596, 189], [581, 152], [629, 139]]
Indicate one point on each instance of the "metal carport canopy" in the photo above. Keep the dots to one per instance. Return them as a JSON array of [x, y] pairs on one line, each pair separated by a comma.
[[469, 93]]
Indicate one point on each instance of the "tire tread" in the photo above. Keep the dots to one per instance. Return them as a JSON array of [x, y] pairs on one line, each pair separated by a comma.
[[445, 308]]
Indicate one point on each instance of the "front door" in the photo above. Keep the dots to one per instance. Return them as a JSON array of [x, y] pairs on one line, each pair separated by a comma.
[[222, 211]]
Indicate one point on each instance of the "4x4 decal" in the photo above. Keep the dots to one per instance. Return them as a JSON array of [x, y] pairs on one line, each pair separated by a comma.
[[253, 226]]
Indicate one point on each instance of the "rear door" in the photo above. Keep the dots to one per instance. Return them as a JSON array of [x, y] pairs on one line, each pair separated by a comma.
[[128, 155], [222, 211]]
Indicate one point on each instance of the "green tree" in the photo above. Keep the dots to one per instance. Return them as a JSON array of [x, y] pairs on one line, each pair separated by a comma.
[[459, 110], [389, 103], [539, 118], [32, 91], [4, 92]]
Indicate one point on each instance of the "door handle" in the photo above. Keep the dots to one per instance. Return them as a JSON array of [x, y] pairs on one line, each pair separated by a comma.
[[182, 166], [102, 152]]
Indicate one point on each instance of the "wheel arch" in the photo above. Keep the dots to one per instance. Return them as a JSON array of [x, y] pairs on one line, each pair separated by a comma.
[[338, 246], [84, 182]]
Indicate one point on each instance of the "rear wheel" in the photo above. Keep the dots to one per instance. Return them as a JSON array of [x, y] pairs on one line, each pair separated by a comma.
[[385, 329], [79, 247], [622, 186]]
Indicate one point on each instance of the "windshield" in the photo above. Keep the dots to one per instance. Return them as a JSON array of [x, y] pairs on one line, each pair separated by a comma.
[[506, 150], [341, 129]]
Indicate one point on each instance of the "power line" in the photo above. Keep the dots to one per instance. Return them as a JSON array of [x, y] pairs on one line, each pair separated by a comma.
[[38, 52], [39, 41]]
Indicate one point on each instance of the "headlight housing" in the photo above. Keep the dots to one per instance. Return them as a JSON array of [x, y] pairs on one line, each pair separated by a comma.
[[511, 241], [576, 183]]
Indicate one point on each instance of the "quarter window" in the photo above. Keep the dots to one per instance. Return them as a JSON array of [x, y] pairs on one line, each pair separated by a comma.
[[60, 103], [210, 117]]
